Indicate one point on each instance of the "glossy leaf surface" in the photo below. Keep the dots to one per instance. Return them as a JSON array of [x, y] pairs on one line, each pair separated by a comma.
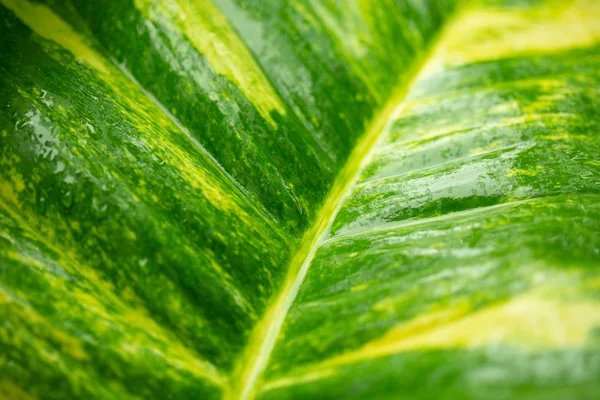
[[285, 200]]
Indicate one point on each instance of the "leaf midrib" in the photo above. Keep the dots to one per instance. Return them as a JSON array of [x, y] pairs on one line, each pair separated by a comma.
[[245, 381]]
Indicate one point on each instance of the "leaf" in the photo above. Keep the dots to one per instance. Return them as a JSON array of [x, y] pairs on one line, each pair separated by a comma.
[[281, 200]]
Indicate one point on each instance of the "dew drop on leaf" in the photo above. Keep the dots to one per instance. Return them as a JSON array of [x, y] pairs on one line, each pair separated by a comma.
[[67, 199]]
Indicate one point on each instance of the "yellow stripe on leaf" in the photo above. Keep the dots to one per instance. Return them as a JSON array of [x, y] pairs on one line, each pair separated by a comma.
[[212, 35]]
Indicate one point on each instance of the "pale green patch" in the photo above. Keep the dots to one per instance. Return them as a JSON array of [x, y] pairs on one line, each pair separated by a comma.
[[212, 35], [49, 26], [489, 33]]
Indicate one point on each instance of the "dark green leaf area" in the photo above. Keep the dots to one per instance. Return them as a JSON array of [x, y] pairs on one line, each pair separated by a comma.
[[329, 94], [465, 261], [96, 171], [60, 343], [500, 373], [484, 134]]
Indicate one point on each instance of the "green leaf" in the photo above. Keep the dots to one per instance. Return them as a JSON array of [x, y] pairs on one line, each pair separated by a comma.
[[374, 199]]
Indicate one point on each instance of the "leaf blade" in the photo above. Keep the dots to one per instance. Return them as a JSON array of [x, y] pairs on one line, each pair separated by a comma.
[[414, 207]]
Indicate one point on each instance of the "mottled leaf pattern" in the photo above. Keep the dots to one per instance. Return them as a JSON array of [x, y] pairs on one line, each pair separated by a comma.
[[371, 199]]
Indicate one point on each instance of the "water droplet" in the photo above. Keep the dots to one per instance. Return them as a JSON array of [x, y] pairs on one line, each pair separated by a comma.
[[46, 100], [42, 203], [67, 199], [93, 132], [99, 210], [60, 167]]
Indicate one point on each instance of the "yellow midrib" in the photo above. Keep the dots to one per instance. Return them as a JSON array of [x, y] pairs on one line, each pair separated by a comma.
[[246, 381], [250, 366]]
